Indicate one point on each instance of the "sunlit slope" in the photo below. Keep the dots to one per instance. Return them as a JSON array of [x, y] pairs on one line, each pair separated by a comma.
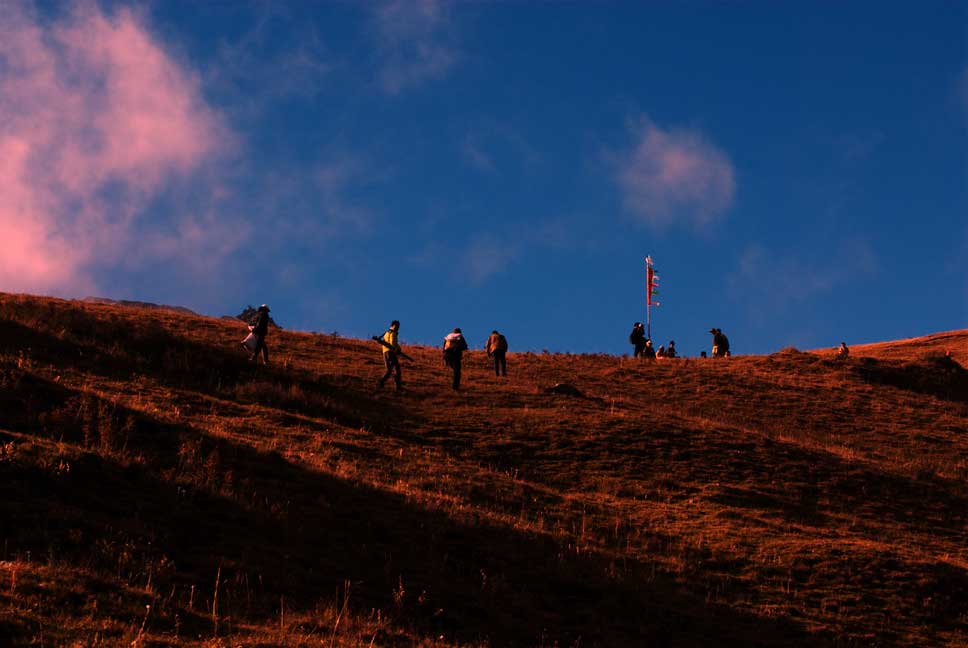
[[955, 342], [785, 500]]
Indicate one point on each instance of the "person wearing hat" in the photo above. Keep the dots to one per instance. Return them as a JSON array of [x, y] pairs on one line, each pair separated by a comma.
[[497, 348], [720, 343], [260, 329], [454, 347]]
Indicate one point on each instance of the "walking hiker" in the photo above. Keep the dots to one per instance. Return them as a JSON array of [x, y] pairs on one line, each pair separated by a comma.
[[454, 347], [391, 353], [637, 339], [497, 348], [259, 330]]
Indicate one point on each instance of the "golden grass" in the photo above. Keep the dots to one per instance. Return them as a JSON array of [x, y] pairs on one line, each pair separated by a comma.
[[783, 500]]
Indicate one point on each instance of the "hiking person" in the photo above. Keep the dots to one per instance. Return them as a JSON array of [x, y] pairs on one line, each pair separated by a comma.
[[497, 348], [391, 353], [843, 352], [671, 350], [260, 329], [454, 347], [637, 339], [648, 352]]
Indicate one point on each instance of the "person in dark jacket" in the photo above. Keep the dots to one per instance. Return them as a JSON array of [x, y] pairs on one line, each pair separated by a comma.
[[497, 348], [671, 350], [649, 351], [637, 339], [720, 343], [260, 329], [454, 347]]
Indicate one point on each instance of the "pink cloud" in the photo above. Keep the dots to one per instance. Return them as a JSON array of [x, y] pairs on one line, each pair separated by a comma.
[[96, 120], [675, 176]]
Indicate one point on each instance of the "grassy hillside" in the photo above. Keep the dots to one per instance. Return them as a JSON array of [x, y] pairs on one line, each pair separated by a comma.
[[158, 490]]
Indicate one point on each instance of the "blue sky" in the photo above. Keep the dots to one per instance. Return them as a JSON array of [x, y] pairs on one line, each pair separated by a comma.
[[797, 173]]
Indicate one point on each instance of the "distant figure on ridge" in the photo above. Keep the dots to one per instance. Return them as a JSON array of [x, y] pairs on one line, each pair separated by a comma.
[[637, 339], [843, 352], [454, 347], [671, 350], [497, 348], [260, 329], [391, 353], [661, 353], [720, 343], [648, 352]]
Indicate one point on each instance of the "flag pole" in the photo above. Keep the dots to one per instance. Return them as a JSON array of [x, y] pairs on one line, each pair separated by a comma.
[[648, 298]]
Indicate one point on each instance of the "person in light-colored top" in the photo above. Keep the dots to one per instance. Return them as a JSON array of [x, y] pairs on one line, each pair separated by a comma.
[[454, 347], [391, 354]]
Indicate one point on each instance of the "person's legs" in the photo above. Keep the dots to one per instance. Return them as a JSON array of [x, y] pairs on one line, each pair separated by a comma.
[[497, 362], [265, 351], [260, 343], [393, 366], [500, 363], [457, 373]]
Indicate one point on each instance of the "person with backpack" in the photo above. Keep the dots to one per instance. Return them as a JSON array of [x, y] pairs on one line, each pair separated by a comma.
[[391, 354], [454, 347], [637, 339], [648, 352], [497, 348], [843, 352], [260, 329]]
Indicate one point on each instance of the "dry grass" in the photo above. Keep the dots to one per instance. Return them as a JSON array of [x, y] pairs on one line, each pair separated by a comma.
[[159, 490]]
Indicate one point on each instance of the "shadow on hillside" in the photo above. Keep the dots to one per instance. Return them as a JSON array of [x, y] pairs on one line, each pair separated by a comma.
[[933, 375], [121, 353], [274, 529]]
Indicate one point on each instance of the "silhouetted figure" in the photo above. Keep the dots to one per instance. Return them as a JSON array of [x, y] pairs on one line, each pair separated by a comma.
[[454, 347], [637, 339], [648, 352], [720, 343], [260, 329], [661, 353], [391, 354], [497, 348], [671, 349], [843, 352]]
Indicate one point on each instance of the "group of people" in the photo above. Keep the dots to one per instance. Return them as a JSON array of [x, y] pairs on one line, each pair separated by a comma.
[[453, 349], [643, 345], [643, 348], [497, 347]]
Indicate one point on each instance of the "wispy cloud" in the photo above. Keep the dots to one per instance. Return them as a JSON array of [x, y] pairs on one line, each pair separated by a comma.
[[675, 176], [489, 254], [770, 280], [416, 43], [491, 147], [96, 120], [257, 69]]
